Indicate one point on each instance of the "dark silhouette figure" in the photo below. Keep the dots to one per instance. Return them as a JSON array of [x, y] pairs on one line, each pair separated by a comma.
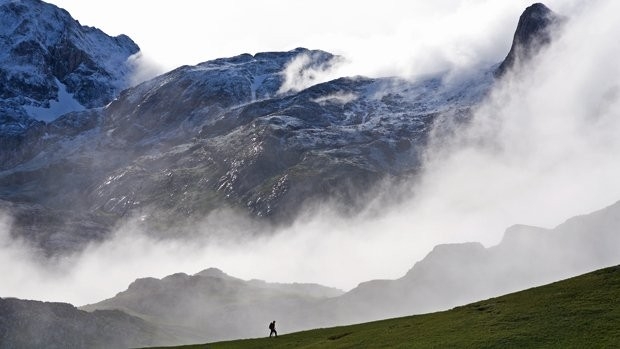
[[272, 327]]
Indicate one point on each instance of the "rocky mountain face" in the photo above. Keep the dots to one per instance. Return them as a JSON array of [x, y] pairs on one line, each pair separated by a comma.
[[51, 65], [33, 324], [243, 133], [270, 156], [533, 32], [224, 134]]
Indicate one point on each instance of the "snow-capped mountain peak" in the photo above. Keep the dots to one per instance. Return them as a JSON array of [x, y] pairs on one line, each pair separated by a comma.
[[51, 64]]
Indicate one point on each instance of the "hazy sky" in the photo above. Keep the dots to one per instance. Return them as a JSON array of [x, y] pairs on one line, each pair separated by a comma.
[[382, 37]]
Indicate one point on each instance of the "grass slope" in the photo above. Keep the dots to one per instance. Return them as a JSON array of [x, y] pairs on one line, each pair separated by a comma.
[[581, 312]]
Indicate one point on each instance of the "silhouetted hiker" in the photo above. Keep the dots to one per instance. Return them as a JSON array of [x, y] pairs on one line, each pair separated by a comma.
[[272, 327]]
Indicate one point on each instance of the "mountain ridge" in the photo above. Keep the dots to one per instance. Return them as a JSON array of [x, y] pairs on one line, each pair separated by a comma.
[[51, 65], [533, 32], [450, 275], [243, 133], [573, 313], [222, 148]]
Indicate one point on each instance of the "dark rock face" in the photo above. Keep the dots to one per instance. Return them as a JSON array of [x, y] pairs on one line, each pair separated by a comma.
[[533, 32], [45, 44], [48, 59], [222, 134], [33, 324]]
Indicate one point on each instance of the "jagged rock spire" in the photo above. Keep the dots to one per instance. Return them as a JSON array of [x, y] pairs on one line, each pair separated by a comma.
[[533, 32]]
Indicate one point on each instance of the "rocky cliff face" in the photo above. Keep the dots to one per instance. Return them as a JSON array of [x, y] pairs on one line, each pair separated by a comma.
[[51, 65], [46, 50], [239, 132], [225, 134], [269, 155], [533, 32]]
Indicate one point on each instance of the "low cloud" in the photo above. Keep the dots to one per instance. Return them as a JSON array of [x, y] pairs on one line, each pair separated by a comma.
[[144, 68], [329, 250], [336, 98], [308, 69]]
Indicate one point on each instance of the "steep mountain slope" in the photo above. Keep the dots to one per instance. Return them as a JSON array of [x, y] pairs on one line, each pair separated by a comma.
[[51, 65], [220, 134], [533, 32], [272, 155], [47, 51], [33, 324], [244, 133]]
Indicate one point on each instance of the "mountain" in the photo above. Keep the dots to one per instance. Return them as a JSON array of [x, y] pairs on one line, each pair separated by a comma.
[[51, 65], [460, 273], [252, 133], [533, 32], [213, 305], [33, 324], [48, 56], [224, 134], [221, 144]]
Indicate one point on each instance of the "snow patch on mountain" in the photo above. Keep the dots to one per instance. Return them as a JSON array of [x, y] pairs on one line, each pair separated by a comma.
[[66, 103], [257, 81], [50, 64]]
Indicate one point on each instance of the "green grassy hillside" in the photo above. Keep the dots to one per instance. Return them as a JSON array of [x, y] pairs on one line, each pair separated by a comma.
[[581, 312]]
